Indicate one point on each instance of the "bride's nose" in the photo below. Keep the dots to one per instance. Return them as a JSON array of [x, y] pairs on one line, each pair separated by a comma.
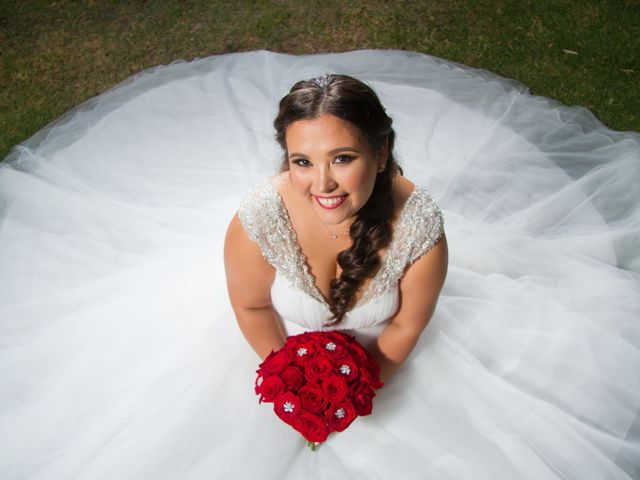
[[324, 180]]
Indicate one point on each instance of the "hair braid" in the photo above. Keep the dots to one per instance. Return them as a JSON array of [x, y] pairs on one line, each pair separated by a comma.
[[370, 233]]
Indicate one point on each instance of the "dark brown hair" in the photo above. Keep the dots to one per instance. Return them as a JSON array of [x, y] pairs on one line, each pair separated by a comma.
[[355, 102]]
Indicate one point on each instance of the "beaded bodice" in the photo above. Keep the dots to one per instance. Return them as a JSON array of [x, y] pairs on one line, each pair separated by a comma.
[[266, 221]]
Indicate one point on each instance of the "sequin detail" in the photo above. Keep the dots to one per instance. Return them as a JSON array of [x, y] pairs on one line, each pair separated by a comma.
[[345, 369], [340, 413], [331, 346], [266, 221], [302, 352], [417, 231], [288, 407]]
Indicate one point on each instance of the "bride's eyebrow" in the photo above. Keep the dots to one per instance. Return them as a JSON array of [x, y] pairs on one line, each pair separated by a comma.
[[331, 152], [344, 149]]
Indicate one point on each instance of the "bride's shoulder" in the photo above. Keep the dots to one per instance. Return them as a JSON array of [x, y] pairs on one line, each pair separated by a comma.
[[402, 190], [260, 208], [409, 198], [419, 221]]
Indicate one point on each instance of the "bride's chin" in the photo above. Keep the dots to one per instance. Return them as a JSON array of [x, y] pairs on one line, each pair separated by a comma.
[[336, 219]]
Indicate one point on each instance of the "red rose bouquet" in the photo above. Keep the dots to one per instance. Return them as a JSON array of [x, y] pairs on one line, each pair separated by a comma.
[[319, 382]]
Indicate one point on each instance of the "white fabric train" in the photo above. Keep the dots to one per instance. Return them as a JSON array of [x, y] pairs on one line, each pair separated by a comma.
[[119, 353]]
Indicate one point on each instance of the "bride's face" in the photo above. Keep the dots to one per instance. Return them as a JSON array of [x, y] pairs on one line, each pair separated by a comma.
[[332, 166]]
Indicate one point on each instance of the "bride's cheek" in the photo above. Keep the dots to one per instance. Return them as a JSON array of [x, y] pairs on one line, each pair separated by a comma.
[[300, 181]]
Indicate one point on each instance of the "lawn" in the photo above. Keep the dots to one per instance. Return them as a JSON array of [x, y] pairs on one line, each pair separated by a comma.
[[57, 54]]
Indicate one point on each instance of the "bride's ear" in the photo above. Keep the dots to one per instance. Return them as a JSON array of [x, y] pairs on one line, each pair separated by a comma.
[[383, 155]]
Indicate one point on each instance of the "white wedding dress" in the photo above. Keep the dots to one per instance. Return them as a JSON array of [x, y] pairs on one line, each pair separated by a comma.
[[119, 353], [294, 294]]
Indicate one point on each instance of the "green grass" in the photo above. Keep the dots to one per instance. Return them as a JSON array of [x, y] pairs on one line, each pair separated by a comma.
[[54, 55]]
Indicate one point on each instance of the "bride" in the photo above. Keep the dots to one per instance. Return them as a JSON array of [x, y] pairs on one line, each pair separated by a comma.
[[338, 205], [119, 353]]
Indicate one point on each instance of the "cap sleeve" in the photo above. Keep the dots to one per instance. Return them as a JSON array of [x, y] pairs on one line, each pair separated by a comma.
[[264, 217], [424, 223], [260, 213], [419, 228]]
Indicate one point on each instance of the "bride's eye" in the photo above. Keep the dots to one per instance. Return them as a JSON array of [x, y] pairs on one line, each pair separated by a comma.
[[344, 158], [301, 162]]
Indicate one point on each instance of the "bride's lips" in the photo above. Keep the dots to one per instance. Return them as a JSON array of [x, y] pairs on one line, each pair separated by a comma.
[[329, 203]]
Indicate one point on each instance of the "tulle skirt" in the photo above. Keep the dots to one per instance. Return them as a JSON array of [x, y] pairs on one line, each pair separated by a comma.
[[119, 352]]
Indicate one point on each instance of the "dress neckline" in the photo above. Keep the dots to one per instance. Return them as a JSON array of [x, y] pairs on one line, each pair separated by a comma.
[[309, 279]]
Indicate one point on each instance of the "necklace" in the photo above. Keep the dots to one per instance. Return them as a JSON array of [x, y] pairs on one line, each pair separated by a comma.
[[335, 236]]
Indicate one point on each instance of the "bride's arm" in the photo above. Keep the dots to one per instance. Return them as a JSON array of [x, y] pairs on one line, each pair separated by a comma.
[[419, 291], [249, 280]]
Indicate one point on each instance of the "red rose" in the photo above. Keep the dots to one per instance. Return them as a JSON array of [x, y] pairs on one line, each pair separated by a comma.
[[303, 352], [319, 339], [276, 361], [335, 343], [362, 398], [292, 378], [340, 415], [312, 427], [307, 337], [313, 336], [357, 352], [317, 368], [293, 340], [338, 336], [370, 374], [287, 407], [312, 397], [269, 387], [334, 348], [335, 388], [347, 369]]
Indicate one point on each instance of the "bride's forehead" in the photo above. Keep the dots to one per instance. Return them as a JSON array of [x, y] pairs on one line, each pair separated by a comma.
[[323, 129]]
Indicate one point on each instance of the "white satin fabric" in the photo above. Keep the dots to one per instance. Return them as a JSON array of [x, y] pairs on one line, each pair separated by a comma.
[[119, 353]]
